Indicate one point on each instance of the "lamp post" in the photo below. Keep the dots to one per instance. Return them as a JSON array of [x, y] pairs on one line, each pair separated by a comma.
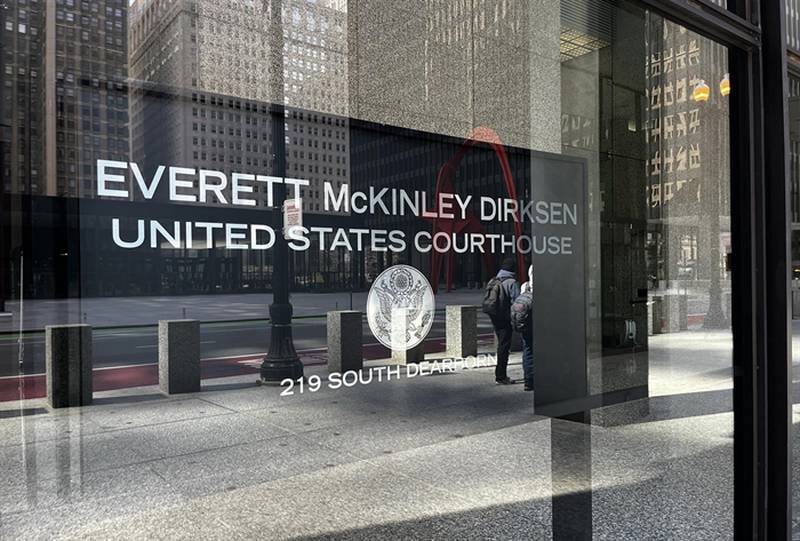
[[715, 316], [281, 361]]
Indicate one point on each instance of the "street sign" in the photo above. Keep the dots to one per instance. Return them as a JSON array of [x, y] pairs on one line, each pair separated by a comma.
[[292, 214]]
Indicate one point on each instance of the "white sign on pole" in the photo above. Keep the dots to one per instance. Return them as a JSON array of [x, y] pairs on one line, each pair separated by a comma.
[[292, 214]]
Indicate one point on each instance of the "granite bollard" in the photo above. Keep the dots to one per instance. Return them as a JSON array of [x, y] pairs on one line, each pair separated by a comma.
[[409, 356], [655, 315], [727, 299], [461, 324], [179, 356], [68, 360], [401, 354], [795, 303], [345, 341], [675, 313]]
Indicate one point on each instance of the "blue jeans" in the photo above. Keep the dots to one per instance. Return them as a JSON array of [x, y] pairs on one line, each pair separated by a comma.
[[527, 356]]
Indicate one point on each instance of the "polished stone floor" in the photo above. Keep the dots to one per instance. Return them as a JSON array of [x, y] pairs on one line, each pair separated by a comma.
[[444, 456]]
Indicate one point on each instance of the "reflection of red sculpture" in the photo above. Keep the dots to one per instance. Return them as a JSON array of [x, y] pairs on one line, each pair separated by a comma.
[[470, 223]]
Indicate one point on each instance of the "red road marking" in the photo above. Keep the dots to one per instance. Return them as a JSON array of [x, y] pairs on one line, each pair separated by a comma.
[[692, 320], [695, 319]]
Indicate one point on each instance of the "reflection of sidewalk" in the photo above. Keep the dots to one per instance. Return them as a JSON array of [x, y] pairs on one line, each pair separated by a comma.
[[448, 456], [122, 311]]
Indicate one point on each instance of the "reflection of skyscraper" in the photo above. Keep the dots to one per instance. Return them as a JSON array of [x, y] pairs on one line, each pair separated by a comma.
[[528, 70], [23, 80], [201, 95], [65, 97], [793, 53], [794, 169], [688, 169], [792, 24], [448, 67]]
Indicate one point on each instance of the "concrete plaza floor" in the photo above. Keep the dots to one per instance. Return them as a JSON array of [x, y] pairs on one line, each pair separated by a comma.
[[443, 456]]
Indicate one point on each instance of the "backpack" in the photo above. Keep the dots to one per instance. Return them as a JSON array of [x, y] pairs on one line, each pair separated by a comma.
[[521, 311], [495, 300]]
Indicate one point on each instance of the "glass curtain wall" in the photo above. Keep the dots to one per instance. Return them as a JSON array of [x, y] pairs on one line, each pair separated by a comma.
[[378, 163], [793, 112], [794, 171]]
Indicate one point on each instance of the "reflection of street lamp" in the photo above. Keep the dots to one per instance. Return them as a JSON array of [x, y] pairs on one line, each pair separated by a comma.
[[701, 92], [281, 361], [725, 85], [715, 316]]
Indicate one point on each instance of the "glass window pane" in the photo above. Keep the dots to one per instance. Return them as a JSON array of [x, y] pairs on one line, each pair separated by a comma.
[[493, 237], [794, 173]]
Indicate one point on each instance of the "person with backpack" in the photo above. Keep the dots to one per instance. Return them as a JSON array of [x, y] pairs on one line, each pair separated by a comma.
[[522, 322], [500, 294]]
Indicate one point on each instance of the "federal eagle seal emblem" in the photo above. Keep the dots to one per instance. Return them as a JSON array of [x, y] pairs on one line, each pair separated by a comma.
[[400, 307]]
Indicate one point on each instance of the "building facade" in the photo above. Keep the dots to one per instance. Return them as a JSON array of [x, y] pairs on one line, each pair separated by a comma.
[[67, 62], [209, 66]]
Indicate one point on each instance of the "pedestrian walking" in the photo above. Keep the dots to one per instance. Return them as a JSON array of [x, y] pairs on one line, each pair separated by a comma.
[[501, 291], [522, 322]]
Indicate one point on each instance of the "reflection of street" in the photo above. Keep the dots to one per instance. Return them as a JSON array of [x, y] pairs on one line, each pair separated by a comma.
[[222, 347], [125, 311], [697, 294]]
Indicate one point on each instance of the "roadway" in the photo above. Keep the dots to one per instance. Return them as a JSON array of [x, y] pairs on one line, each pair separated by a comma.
[[116, 347]]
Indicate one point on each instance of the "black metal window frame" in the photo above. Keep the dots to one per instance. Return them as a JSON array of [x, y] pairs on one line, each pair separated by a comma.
[[755, 33]]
